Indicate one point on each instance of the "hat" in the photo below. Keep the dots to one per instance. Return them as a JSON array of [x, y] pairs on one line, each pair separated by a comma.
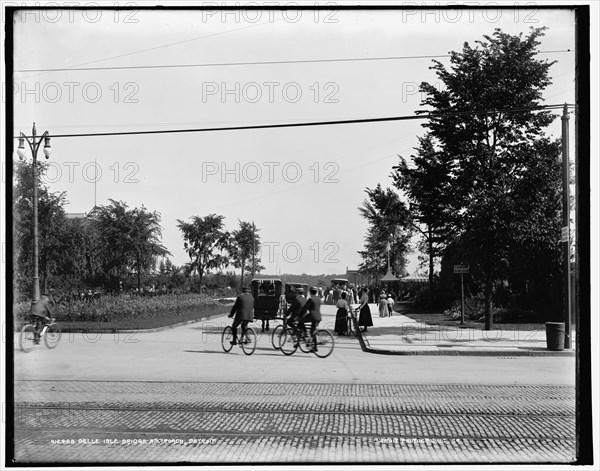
[[299, 289], [313, 289], [245, 289]]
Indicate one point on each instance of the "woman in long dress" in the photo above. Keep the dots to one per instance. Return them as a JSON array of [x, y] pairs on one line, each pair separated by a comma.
[[341, 323], [364, 318], [383, 306]]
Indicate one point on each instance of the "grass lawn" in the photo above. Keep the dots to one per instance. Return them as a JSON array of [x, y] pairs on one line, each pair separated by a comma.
[[437, 318]]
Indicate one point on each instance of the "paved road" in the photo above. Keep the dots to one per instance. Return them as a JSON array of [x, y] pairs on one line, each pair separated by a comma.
[[189, 401], [193, 353], [277, 422]]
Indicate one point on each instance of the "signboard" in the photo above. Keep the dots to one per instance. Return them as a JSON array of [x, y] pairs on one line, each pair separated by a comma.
[[461, 269], [564, 234]]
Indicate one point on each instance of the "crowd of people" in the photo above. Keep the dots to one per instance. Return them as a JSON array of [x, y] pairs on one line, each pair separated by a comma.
[[353, 311]]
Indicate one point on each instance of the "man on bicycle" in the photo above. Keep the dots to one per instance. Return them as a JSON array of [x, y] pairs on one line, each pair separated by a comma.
[[294, 312], [312, 308], [243, 310], [41, 314]]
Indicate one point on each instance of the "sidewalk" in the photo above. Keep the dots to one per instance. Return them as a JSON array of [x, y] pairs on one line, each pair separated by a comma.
[[401, 335]]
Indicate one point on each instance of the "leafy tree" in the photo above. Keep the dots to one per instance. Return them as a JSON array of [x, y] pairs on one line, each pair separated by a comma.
[[487, 123], [130, 240], [427, 184], [389, 229], [205, 240], [245, 249], [51, 220]]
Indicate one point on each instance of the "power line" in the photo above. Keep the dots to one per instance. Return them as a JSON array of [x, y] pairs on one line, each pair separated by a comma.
[[230, 64], [312, 123], [76, 67]]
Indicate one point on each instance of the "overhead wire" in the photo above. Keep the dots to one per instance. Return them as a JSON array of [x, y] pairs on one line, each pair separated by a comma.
[[230, 64], [423, 115]]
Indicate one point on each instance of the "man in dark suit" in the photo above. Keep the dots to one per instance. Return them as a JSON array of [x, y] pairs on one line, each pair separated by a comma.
[[243, 310], [295, 310], [312, 313]]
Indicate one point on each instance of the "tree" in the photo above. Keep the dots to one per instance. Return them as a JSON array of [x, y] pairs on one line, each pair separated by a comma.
[[51, 221], [244, 249], [487, 123], [427, 184], [388, 229], [204, 240], [130, 240]]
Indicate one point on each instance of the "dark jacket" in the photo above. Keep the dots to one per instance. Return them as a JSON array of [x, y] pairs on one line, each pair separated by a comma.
[[41, 308], [295, 309], [243, 309], [313, 307]]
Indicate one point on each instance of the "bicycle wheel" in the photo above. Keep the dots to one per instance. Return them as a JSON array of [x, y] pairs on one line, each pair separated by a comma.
[[325, 343], [288, 342], [249, 341], [227, 338], [304, 343], [277, 331], [52, 335], [27, 337]]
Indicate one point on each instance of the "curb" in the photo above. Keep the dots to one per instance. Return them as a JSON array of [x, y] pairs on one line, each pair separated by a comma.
[[144, 331], [167, 327], [472, 353]]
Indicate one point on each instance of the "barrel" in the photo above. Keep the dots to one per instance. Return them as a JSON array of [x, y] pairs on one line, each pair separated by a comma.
[[555, 336]]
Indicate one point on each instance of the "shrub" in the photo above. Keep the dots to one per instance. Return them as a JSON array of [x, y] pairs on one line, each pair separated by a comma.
[[474, 309], [119, 308]]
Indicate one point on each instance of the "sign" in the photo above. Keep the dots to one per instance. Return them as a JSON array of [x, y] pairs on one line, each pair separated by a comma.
[[461, 269], [564, 234]]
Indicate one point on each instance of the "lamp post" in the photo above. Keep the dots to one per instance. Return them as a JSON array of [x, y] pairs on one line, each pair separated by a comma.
[[34, 144]]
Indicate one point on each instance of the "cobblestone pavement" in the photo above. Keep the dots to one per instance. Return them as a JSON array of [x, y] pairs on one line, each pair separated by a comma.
[[213, 422]]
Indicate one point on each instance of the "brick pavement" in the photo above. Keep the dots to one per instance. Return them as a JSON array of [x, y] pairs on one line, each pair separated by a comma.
[[274, 422]]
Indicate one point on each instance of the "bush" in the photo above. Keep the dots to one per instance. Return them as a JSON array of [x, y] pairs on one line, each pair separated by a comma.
[[435, 298], [120, 308], [474, 309]]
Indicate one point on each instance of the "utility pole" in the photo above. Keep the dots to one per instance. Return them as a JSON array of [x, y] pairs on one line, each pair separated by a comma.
[[566, 232], [253, 251]]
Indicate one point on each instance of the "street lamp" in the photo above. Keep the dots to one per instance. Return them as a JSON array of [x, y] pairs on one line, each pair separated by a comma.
[[34, 145]]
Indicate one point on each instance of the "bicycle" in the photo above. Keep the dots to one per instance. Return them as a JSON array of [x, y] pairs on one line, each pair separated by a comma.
[[293, 338], [247, 340], [50, 332], [277, 331], [276, 334]]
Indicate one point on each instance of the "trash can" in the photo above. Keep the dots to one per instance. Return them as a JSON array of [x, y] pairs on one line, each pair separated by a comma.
[[555, 336]]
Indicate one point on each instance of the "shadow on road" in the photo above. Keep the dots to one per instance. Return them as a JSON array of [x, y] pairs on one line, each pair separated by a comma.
[[225, 353]]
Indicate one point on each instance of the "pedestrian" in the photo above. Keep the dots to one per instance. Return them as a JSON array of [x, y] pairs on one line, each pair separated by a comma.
[[341, 317], [364, 318], [390, 303], [242, 312], [383, 306], [336, 294], [328, 295]]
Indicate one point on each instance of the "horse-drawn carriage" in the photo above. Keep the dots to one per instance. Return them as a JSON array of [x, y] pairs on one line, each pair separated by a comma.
[[291, 291], [267, 299]]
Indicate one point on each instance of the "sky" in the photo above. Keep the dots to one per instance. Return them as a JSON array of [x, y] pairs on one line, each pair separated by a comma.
[[301, 186]]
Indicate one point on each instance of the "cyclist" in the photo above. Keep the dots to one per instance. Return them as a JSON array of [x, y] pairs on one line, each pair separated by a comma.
[[312, 313], [294, 312], [243, 310], [41, 314]]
